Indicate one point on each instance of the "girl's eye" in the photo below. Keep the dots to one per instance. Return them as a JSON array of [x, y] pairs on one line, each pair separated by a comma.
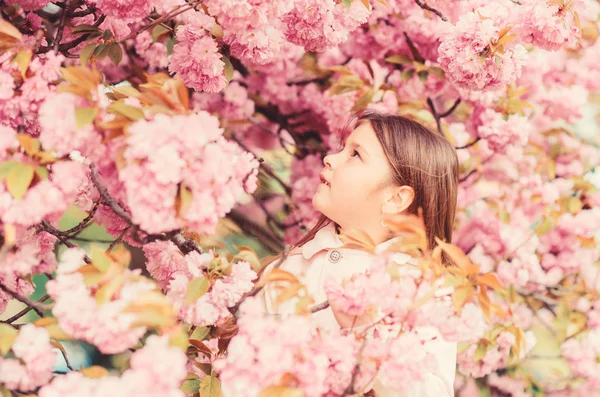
[[355, 153]]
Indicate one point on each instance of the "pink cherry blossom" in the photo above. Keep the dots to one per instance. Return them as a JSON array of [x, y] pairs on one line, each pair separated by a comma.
[[33, 361]]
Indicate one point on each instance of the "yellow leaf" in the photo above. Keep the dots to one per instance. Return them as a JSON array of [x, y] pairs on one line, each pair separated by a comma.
[[183, 199], [210, 387], [200, 333], [544, 227], [95, 371], [366, 4], [490, 280], [7, 29], [196, 288], [250, 257], [29, 144], [364, 100], [460, 259], [190, 386], [10, 234], [228, 68], [8, 335], [460, 296], [85, 116], [278, 274], [575, 205], [18, 179], [86, 53], [480, 352], [107, 291], [100, 259], [357, 239], [22, 60], [288, 293], [281, 391], [400, 59], [346, 84]]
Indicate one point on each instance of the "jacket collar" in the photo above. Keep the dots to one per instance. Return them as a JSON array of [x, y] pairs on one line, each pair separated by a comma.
[[327, 238]]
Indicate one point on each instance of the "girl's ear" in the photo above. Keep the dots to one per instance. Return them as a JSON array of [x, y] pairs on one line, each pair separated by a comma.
[[400, 199]]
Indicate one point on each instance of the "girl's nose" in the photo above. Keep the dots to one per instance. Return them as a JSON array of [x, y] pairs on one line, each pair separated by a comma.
[[327, 161]]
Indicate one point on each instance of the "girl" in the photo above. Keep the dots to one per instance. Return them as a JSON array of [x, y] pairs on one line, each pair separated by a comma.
[[389, 165]]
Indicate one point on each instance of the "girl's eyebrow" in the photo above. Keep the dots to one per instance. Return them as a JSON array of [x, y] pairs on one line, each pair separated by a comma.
[[357, 146]]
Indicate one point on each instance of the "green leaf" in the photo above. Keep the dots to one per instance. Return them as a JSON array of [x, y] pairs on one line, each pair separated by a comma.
[[200, 333], [407, 75], [399, 59], [100, 52], [190, 386], [100, 260], [82, 29], [196, 288], [42, 172], [115, 53], [228, 68], [480, 352], [86, 53], [364, 100], [170, 44], [8, 335], [18, 180], [423, 76], [346, 84], [131, 112], [85, 116], [158, 31], [7, 167], [437, 72], [210, 387]]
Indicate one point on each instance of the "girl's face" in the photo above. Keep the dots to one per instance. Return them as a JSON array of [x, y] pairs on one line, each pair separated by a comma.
[[356, 182]]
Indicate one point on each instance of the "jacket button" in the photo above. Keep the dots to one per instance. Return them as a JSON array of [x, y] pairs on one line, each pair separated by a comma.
[[335, 256]]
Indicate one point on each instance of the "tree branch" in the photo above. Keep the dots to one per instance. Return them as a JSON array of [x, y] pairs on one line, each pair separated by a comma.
[[436, 116], [257, 288], [61, 26], [428, 8], [35, 306], [413, 49], [469, 144], [319, 307], [45, 226], [26, 310], [452, 109], [267, 239], [112, 203]]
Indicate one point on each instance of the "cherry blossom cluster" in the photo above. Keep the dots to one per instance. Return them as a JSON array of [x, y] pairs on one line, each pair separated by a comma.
[[157, 369]]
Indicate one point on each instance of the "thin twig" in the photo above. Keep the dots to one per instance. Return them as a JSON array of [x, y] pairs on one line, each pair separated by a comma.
[[271, 242], [185, 245], [350, 389], [436, 116], [413, 49], [428, 8], [60, 347], [469, 144], [61, 26], [118, 239], [35, 306], [318, 307], [452, 109], [26, 310], [257, 288], [266, 168], [112, 203], [45, 226], [85, 222]]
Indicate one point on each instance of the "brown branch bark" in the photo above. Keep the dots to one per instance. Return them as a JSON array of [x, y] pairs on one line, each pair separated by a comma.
[[48, 228], [35, 306], [451, 110], [469, 144], [61, 26], [26, 310], [428, 8]]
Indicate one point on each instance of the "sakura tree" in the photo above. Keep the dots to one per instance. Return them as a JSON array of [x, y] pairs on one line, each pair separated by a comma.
[[171, 123]]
